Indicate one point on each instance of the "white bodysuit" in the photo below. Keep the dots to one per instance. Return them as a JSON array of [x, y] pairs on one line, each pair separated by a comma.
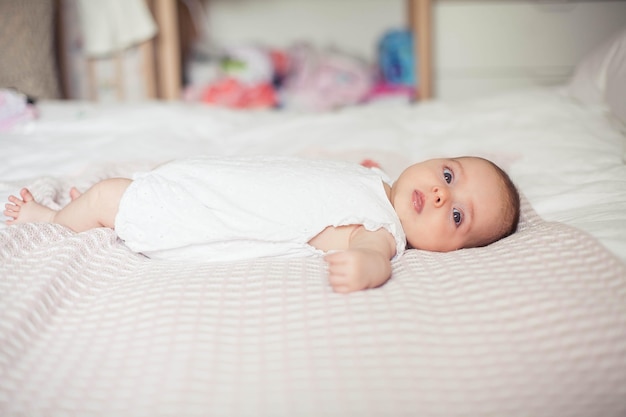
[[225, 209]]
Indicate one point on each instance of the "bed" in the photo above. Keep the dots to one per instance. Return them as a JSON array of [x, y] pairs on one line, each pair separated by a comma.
[[534, 324]]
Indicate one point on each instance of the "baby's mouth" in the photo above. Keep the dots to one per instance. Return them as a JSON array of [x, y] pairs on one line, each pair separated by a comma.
[[418, 201]]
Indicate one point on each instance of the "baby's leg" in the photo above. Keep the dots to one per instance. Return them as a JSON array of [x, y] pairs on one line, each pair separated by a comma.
[[97, 207]]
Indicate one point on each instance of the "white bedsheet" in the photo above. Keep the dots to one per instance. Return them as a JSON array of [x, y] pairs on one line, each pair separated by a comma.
[[534, 324], [565, 158]]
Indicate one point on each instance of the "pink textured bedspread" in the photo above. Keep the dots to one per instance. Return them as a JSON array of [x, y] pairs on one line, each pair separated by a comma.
[[531, 325]]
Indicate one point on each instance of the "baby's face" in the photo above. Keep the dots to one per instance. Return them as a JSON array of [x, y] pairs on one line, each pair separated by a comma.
[[448, 204]]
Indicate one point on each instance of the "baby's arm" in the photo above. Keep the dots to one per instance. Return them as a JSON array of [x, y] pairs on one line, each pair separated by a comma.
[[365, 264]]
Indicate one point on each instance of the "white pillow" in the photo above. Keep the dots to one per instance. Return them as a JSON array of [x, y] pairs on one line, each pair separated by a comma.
[[600, 78], [616, 78]]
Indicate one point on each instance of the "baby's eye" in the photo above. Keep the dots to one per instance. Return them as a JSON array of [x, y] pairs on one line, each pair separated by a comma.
[[457, 216], [447, 175]]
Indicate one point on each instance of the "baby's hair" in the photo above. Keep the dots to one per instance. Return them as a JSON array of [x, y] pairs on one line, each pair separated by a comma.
[[511, 209]]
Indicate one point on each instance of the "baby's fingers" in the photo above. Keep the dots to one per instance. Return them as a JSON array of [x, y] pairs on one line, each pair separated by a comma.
[[338, 269], [340, 283], [341, 272]]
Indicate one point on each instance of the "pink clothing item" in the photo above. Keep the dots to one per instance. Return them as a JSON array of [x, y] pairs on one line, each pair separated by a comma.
[[230, 92]]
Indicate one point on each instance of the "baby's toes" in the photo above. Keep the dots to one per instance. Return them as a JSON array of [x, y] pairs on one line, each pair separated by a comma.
[[26, 195], [11, 208], [74, 193], [10, 213], [16, 201]]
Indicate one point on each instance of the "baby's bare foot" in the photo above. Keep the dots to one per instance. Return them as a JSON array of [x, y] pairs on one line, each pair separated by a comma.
[[74, 193], [26, 209]]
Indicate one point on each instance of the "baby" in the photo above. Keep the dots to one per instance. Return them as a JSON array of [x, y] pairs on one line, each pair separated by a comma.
[[223, 209]]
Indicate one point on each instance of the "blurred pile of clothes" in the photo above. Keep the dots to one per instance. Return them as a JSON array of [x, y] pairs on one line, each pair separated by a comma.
[[303, 77], [15, 108]]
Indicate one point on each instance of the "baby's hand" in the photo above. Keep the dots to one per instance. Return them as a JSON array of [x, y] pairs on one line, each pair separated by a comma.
[[357, 269]]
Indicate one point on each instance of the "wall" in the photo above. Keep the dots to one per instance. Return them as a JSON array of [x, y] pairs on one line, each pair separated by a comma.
[[480, 46], [489, 46], [352, 25]]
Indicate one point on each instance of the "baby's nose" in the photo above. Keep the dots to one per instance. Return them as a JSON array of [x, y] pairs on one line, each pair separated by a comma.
[[441, 195]]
